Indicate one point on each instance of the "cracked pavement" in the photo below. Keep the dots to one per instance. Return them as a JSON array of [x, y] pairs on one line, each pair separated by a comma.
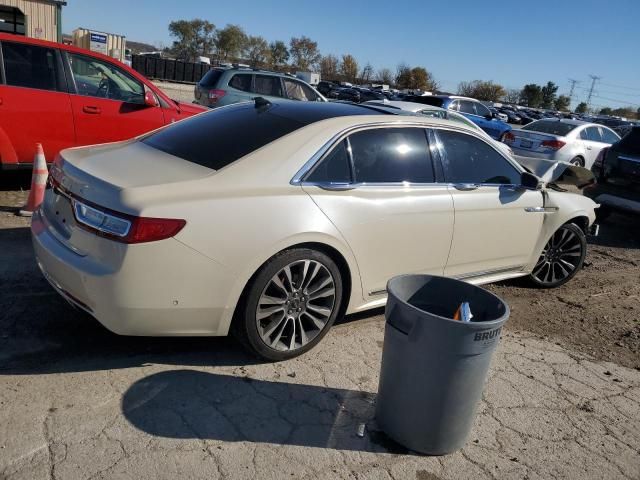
[[77, 402]]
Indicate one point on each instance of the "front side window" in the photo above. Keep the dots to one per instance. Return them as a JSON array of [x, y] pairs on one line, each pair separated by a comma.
[[298, 91], [466, 107], [334, 168], [608, 136], [391, 155], [95, 78], [241, 82], [30, 66], [467, 159], [267, 85]]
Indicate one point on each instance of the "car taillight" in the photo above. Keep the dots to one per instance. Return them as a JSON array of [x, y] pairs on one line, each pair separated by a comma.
[[215, 95], [553, 144], [122, 227], [508, 137]]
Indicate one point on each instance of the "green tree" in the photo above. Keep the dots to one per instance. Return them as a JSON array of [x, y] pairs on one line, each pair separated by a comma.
[[304, 53], [531, 95], [385, 76], [562, 103], [349, 68], [549, 95], [606, 111], [582, 108], [257, 51], [230, 42], [481, 90], [279, 54], [193, 38], [329, 67]]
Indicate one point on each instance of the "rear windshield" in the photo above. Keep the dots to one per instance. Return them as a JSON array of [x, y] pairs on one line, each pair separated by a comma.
[[222, 136], [554, 127], [210, 79], [630, 143]]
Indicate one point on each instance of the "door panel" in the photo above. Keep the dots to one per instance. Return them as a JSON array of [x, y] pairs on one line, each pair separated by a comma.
[[492, 229], [391, 230]]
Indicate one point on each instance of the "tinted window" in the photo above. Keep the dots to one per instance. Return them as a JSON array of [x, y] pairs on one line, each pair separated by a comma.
[[96, 78], [29, 66], [334, 167], [554, 127], [210, 79], [608, 136], [467, 159], [267, 85], [298, 91], [481, 109], [466, 107], [218, 138], [391, 155], [241, 82]]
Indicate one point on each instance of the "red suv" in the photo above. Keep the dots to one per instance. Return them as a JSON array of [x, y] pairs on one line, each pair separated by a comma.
[[64, 96]]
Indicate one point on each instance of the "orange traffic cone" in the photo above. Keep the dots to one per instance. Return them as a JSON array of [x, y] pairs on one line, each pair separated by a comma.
[[38, 183]]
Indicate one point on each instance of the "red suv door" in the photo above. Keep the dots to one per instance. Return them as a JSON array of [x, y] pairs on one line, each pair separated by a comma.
[[108, 103], [34, 104]]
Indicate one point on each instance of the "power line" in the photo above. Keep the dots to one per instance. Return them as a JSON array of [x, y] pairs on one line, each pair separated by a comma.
[[594, 78]]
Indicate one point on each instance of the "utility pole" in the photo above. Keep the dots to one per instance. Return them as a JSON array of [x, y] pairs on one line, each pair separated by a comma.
[[573, 85], [593, 84]]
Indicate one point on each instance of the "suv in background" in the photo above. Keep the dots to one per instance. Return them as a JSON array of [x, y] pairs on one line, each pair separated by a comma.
[[224, 86], [63, 96], [470, 108]]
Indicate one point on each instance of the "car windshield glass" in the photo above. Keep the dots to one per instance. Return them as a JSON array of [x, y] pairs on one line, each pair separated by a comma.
[[554, 127], [630, 143]]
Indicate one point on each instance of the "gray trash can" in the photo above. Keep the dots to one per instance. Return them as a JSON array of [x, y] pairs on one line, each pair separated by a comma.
[[434, 367]]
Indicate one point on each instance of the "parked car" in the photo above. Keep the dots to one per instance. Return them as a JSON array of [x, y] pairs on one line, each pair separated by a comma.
[[224, 86], [437, 112], [617, 169], [470, 108], [303, 213], [561, 140], [63, 96]]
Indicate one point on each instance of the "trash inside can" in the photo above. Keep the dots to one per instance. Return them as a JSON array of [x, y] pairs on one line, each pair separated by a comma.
[[434, 367]]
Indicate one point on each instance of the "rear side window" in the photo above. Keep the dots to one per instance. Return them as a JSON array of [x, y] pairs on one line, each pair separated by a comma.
[[219, 137], [30, 66], [467, 159], [391, 155], [554, 127], [267, 85], [210, 79], [334, 168], [241, 82]]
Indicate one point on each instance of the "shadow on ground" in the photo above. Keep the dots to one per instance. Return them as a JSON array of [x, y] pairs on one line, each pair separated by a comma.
[[187, 404]]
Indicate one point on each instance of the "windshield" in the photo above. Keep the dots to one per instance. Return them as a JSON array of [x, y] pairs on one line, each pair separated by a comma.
[[554, 127]]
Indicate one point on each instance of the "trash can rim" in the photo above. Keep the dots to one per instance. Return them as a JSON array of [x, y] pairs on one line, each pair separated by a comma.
[[507, 311]]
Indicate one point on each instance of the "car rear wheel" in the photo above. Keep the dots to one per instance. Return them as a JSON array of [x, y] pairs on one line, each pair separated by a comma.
[[290, 305], [561, 258]]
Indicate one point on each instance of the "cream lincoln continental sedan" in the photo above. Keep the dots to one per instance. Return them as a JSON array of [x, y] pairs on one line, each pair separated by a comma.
[[272, 219]]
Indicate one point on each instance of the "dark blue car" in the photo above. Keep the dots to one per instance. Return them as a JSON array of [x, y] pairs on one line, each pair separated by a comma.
[[470, 108]]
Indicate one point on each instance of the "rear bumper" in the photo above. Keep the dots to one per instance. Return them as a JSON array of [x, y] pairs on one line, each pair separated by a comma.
[[161, 288]]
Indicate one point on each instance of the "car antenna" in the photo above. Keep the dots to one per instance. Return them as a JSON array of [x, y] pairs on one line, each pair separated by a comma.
[[262, 102]]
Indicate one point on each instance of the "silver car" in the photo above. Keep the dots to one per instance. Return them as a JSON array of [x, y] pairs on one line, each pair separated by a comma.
[[571, 141]]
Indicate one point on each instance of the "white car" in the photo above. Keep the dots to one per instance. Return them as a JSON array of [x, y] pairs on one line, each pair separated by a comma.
[[272, 219], [437, 112]]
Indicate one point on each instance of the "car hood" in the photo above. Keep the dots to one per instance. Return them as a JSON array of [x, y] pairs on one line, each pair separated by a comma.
[[557, 174]]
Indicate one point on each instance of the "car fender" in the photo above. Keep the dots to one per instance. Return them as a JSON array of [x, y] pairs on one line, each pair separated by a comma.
[[562, 208], [335, 242]]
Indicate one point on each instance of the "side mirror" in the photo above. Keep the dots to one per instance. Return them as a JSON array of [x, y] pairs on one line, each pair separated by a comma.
[[529, 180], [150, 99]]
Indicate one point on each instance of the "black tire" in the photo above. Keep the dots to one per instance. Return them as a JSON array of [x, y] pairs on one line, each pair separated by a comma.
[[577, 161], [567, 245], [246, 325]]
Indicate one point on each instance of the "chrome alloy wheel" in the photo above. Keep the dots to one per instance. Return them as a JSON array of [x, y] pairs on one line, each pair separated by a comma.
[[560, 258], [296, 305]]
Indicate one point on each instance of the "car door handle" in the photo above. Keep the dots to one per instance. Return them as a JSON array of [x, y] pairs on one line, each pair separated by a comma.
[[91, 109], [465, 186]]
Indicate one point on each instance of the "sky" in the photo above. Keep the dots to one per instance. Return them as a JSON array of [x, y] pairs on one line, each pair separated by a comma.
[[512, 42]]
